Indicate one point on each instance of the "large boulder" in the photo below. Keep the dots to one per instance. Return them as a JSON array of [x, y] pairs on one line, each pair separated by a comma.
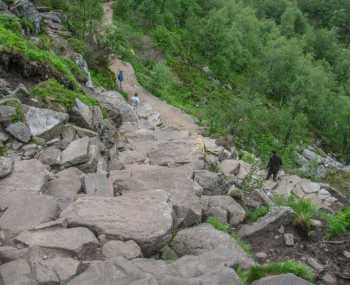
[[175, 181], [284, 279], [27, 176], [20, 132], [278, 216], [116, 104], [51, 267], [76, 153], [86, 116], [145, 217], [26, 210], [213, 183], [79, 241], [17, 272], [115, 248], [6, 166], [44, 123], [233, 212]]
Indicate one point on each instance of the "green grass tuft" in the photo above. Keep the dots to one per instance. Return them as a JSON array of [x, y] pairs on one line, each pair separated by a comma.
[[256, 214], [58, 97], [338, 224], [215, 222], [275, 268]]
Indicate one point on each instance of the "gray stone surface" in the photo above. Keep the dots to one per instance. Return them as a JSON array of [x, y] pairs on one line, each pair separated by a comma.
[[3, 137], [86, 116], [212, 183], [76, 153], [97, 185], [9, 253], [76, 240], [284, 279], [44, 123], [234, 212], [7, 113], [128, 249], [26, 210], [272, 221], [175, 181], [27, 10], [27, 175], [19, 131], [6, 166], [145, 217], [17, 272], [50, 156], [230, 167]]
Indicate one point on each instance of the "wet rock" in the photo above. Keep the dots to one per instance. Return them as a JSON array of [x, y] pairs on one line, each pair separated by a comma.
[[145, 217], [16, 272], [97, 185], [19, 131], [284, 279], [7, 113], [27, 176], [26, 210], [269, 223], [233, 212], [6, 166], [76, 153], [129, 249], [79, 241], [44, 123], [211, 182]]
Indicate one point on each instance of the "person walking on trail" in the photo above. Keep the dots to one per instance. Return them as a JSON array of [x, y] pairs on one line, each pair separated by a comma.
[[274, 166], [120, 79], [135, 101]]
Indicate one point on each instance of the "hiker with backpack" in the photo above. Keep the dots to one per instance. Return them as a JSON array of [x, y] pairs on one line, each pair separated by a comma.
[[120, 79]]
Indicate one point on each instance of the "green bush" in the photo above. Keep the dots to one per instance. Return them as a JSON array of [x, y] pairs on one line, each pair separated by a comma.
[[57, 96], [256, 214], [103, 78], [275, 268], [11, 23], [339, 224]]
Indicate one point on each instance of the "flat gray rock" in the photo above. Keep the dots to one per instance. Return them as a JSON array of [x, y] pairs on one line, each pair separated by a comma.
[[6, 166], [44, 123], [9, 253], [76, 240], [27, 176], [175, 181], [115, 248], [20, 132], [274, 219], [212, 183], [284, 279], [145, 217], [76, 153], [17, 272], [7, 113], [50, 156], [26, 210]]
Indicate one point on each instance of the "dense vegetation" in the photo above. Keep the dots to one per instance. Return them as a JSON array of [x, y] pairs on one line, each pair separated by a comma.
[[278, 70]]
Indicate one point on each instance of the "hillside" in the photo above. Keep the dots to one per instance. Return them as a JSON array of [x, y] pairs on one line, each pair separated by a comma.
[[94, 191]]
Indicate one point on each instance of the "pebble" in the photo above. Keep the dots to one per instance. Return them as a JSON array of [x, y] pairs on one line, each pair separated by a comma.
[[261, 256], [289, 239], [346, 254]]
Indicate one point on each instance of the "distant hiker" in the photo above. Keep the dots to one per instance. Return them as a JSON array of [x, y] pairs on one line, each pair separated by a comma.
[[135, 101], [120, 79], [274, 166]]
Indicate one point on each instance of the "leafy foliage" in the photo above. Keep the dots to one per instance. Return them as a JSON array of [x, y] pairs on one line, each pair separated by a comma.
[[256, 214], [260, 271]]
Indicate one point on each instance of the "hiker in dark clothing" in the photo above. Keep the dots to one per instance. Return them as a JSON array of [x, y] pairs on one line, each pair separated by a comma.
[[120, 78], [274, 166]]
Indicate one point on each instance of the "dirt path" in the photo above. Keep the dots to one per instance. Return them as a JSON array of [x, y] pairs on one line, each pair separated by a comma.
[[170, 115]]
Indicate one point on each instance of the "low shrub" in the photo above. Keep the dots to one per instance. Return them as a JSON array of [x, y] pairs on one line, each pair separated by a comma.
[[275, 268]]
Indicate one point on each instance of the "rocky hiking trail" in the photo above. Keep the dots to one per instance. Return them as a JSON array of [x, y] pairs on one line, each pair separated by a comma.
[[124, 200]]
